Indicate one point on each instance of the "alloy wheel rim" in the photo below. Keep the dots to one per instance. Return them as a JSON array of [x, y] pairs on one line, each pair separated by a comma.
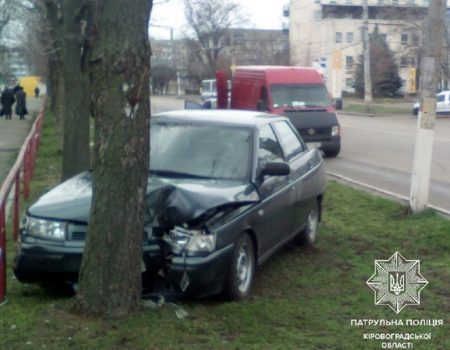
[[313, 222], [243, 269]]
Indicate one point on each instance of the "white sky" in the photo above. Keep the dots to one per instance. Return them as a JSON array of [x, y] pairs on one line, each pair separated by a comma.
[[262, 14]]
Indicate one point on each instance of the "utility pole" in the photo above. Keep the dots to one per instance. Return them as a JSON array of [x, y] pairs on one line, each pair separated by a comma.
[[367, 79], [432, 43]]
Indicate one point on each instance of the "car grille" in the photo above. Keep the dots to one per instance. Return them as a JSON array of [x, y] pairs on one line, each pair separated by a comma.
[[78, 233], [78, 236]]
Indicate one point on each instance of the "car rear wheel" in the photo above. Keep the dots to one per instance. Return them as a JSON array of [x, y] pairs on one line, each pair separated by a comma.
[[242, 269], [308, 236]]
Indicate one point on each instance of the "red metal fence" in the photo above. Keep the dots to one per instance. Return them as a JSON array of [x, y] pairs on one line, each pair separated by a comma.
[[22, 169]]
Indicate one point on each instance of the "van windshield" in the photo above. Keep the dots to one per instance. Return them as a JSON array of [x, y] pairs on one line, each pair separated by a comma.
[[299, 95]]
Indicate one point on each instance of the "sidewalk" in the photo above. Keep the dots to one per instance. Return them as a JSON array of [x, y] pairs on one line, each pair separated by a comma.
[[12, 134]]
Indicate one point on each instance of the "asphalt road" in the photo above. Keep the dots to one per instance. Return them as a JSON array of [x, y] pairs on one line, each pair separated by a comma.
[[378, 152]]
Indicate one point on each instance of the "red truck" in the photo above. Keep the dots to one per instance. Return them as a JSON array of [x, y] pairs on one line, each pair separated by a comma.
[[295, 92]]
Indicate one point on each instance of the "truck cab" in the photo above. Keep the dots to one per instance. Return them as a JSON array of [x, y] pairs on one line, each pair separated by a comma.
[[295, 92]]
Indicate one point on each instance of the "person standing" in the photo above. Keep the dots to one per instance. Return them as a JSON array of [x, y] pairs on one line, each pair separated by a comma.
[[7, 100], [21, 105], [36, 92]]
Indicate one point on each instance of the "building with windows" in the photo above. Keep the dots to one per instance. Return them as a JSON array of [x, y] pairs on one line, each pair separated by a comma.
[[238, 47], [329, 33]]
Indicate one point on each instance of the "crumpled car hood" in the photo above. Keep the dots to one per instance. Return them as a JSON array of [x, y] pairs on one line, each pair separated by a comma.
[[169, 201]]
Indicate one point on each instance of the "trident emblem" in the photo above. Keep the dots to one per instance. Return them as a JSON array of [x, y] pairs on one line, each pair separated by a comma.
[[397, 282]]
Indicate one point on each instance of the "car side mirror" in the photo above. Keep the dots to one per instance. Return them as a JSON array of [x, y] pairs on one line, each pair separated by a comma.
[[262, 106], [275, 169]]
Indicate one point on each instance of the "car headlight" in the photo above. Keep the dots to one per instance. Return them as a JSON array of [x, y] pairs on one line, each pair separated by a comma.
[[202, 243], [335, 130], [44, 228], [192, 240]]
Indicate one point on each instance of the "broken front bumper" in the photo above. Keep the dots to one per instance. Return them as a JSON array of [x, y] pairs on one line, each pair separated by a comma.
[[200, 275], [37, 262]]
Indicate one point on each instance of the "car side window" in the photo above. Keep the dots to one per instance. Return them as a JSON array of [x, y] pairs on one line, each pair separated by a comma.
[[288, 139], [269, 149], [440, 98]]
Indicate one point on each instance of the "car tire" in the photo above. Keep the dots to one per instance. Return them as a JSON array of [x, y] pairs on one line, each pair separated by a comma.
[[308, 235], [333, 152], [240, 275]]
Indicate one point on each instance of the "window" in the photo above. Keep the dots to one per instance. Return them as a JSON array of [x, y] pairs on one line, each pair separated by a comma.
[[317, 15], [403, 62], [216, 152], [348, 2], [288, 139], [404, 39], [395, 2], [349, 37], [338, 37], [349, 83], [440, 98], [269, 148], [411, 61], [349, 61], [380, 2], [415, 39]]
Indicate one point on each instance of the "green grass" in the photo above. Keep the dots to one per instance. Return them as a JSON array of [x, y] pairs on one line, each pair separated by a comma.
[[301, 299], [378, 109]]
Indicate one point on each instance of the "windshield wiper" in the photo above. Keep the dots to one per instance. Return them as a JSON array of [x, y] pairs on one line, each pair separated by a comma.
[[178, 174]]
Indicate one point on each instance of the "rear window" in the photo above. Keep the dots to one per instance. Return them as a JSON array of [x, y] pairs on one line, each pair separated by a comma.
[[299, 95]]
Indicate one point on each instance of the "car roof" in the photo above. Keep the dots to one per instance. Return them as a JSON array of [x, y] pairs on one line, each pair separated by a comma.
[[220, 116]]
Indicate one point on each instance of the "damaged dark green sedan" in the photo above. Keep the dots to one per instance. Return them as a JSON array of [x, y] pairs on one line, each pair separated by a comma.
[[226, 190]]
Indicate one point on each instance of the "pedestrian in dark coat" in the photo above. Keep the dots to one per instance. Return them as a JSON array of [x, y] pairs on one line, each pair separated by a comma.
[[21, 105], [7, 100], [36, 92]]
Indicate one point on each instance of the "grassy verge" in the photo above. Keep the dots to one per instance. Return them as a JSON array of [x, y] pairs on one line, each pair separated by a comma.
[[301, 299], [379, 107]]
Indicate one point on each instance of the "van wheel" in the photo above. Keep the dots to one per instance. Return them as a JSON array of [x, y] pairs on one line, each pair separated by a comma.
[[332, 153], [239, 280], [308, 236]]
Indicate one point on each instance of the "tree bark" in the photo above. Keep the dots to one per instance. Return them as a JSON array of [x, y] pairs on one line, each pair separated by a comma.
[[110, 276], [74, 50]]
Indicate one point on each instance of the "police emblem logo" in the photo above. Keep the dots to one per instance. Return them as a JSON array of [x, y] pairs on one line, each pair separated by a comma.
[[397, 282]]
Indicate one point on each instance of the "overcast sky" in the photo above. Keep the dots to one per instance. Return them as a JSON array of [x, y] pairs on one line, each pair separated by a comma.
[[263, 14]]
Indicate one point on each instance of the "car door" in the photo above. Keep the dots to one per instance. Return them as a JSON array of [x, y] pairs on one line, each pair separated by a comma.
[[272, 220], [441, 103], [299, 159]]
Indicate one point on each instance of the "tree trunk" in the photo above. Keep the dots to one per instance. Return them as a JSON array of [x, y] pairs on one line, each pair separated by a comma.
[[74, 48], [110, 276], [56, 86]]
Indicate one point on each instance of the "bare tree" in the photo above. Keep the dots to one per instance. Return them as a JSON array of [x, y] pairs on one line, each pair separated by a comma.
[[209, 21], [110, 276]]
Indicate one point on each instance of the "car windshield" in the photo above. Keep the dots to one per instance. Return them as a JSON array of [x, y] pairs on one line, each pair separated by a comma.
[[299, 95], [201, 151]]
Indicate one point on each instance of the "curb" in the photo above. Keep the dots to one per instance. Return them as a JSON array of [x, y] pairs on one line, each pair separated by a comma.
[[389, 194]]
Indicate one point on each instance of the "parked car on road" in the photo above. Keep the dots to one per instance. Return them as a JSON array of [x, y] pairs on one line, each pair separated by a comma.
[[442, 104], [226, 190]]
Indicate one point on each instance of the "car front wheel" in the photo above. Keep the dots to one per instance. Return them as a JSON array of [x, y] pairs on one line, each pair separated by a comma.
[[242, 269]]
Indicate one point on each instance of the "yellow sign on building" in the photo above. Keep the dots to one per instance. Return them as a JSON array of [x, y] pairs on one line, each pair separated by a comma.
[[29, 84], [412, 88], [336, 60]]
